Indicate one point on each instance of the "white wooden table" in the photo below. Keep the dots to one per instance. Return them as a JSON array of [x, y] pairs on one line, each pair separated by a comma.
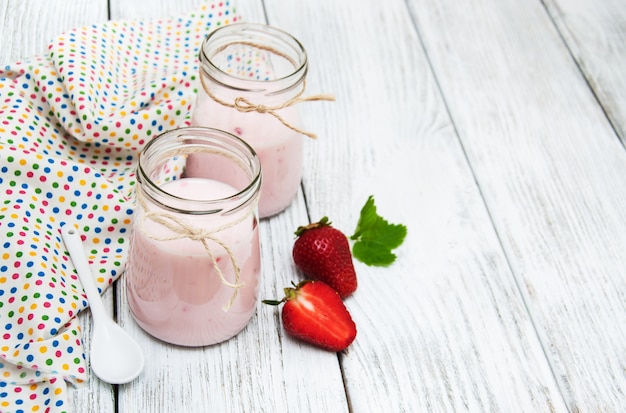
[[495, 130]]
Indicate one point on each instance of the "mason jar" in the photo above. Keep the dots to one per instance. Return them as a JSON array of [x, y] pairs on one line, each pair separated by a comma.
[[250, 77], [194, 259]]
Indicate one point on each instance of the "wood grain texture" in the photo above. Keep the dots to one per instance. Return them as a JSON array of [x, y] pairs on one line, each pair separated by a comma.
[[252, 10], [260, 369], [471, 123], [445, 328], [26, 27], [595, 33], [551, 172]]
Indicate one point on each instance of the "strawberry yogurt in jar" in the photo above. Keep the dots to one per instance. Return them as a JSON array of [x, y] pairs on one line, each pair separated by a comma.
[[194, 261], [252, 76]]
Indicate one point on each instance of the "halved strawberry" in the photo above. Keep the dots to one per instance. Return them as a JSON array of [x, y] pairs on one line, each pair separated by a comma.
[[322, 252], [314, 312]]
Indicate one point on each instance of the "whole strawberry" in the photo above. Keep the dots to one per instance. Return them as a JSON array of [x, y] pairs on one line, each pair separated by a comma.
[[314, 312], [323, 253]]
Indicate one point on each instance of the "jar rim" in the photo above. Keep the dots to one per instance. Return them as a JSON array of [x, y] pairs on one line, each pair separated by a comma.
[[223, 33], [170, 141]]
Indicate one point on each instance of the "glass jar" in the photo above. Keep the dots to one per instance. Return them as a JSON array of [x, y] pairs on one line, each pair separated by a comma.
[[250, 76], [194, 261]]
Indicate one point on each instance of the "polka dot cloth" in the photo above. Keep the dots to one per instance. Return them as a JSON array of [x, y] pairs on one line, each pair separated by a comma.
[[72, 123]]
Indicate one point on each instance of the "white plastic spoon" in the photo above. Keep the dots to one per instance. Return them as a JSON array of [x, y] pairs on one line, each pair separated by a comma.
[[115, 357]]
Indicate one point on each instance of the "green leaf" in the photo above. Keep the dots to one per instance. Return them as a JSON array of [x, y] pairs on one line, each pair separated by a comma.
[[375, 237], [373, 254]]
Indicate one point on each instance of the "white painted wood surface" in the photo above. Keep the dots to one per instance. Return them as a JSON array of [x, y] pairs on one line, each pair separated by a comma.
[[551, 170], [27, 27], [486, 126], [596, 36]]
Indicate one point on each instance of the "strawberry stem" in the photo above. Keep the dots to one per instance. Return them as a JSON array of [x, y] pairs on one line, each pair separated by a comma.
[[321, 223], [290, 293], [272, 302]]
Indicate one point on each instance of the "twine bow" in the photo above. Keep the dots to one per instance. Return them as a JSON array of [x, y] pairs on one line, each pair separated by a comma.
[[181, 230], [245, 106]]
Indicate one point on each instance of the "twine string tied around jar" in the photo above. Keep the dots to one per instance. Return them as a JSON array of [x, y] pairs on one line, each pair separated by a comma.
[[245, 106], [181, 230]]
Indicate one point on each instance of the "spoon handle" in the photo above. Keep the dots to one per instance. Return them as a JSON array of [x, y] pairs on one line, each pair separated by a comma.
[[74, 245]]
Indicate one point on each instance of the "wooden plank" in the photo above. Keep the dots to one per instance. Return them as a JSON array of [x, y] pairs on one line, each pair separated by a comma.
[[27, 27], [258, 370], [551, 171], [595, 33], [445, 328], [250, 9]]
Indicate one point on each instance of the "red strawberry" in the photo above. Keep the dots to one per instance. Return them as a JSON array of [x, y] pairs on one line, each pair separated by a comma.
[[323, 253], [314, 312]]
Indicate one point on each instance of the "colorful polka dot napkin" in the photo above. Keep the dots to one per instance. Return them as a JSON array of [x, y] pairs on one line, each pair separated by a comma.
[[72, 123]]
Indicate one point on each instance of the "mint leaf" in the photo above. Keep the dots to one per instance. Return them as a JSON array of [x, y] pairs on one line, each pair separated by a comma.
[[375, 237], [373, 254]]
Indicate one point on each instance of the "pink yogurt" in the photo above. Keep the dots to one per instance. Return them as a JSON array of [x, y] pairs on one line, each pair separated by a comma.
[[174, 291], [278, 148]]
